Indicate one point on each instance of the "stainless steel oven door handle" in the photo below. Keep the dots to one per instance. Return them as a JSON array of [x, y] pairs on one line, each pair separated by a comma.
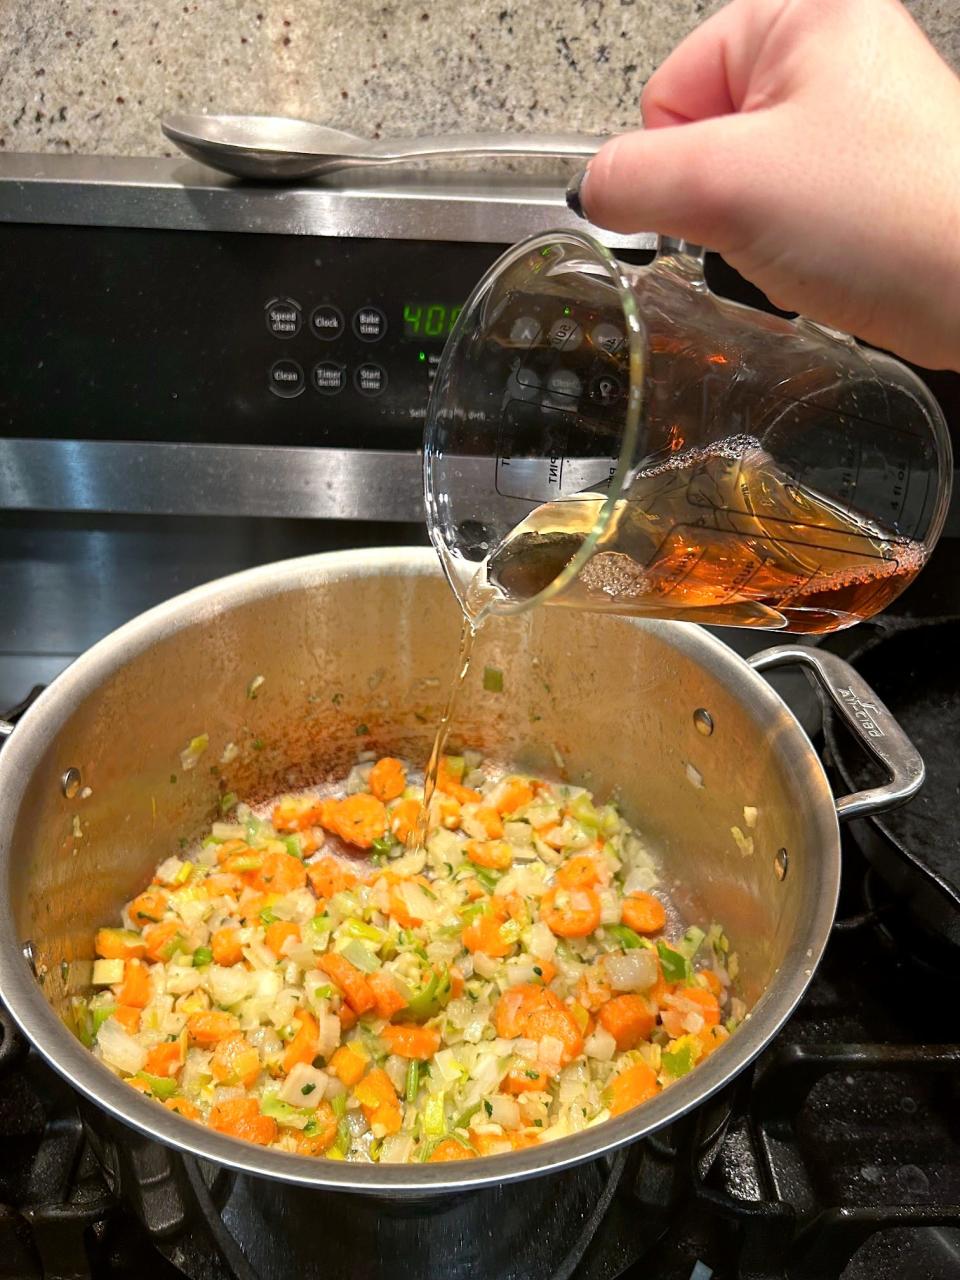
[[871, 723]]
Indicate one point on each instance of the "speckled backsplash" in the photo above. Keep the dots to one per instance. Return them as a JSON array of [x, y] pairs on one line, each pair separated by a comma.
[[96, 77]]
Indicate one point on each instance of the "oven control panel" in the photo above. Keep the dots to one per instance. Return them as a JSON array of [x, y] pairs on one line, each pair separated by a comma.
[[207, 337]]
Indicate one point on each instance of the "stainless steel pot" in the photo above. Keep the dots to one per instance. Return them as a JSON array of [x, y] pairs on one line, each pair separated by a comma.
[[355, 650]]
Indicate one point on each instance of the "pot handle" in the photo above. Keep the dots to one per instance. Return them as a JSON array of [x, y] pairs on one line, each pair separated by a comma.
[[871, 723], [6, 728]]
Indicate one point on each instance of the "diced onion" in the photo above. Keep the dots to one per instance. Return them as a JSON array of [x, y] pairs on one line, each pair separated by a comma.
[[505, 1111], [301, 1077], [601, 1045], [635, 971], [119, 1048]]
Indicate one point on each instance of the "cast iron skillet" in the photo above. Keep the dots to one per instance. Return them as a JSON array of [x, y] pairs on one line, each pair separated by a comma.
[[915, 849]]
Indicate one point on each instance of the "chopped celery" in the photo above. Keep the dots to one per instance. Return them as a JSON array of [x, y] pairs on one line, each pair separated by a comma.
[[464, 1118], [202, 956], [160, 1086], [493, 679], [676, 967], [227, 801], [624, 935], [339, 1104], [268, 916], [360, 929], [434, 1121], [489, 879], [678, 1058], [316, 932], [412, 1084], [383, 844], [184, 874], [99, 1014], [107, 972], [254, 829], [689, 944], [246, 862], [294, 1117], [324, 992], [455, 766], [360, 957], [510, 931], [292, 844], [582, 810], [430, 999]]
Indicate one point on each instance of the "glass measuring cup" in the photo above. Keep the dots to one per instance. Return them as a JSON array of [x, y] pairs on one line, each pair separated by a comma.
[[620, 438]]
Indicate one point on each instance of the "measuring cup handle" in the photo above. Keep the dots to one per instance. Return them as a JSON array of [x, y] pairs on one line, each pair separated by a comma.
[[871, 723]]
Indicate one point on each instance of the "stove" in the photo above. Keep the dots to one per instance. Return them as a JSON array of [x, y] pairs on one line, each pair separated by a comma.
[[836, 1155]]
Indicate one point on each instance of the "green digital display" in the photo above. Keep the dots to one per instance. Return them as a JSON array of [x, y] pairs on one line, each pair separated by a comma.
[[429, 319]]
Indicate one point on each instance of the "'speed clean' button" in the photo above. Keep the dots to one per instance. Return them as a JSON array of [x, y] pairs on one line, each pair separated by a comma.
[[286, 379], [283, 317], [326, 322], [369, 324], [328, 377], [370, 379]]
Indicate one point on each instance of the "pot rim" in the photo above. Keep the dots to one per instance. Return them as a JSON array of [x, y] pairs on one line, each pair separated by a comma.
[[23, 996]]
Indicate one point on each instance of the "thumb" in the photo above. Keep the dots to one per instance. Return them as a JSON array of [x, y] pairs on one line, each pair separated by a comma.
[[701, 182]]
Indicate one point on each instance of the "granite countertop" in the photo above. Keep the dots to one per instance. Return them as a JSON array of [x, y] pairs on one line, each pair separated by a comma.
[[95, 78]]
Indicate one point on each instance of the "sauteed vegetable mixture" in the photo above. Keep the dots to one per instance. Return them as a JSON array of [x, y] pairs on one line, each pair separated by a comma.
[[513, 982]]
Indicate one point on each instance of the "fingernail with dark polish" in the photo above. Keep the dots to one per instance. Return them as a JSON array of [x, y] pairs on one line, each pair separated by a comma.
[[573, 195]]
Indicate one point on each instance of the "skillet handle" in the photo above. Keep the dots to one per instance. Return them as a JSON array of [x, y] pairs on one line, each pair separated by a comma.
[[871, 723]]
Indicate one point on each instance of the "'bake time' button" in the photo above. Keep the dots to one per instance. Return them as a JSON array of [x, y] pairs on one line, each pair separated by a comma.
[[283, 317], [369, 324], [370, 379], [286, 379], [326, 322], [328, 377]]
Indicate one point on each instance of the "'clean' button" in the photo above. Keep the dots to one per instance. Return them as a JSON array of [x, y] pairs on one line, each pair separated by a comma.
[[286, 379]]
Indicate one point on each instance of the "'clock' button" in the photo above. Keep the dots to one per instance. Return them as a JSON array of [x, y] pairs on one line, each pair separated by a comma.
[[286, 379], [328, 377], [283, 317], [370, 379], [369, 324], [326, 322]]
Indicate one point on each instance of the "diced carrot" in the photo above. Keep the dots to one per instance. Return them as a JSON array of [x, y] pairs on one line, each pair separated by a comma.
[[220, 884], [398, 907], [149, 908], [135, 988], [456, 982], [558, 1024], [491, 1144], [548, 971], [243, 864], [709, 1008], [327, 876], [225, 945], [518, 1140], [347, 1016], [474, 890], [629, 1019], [242, 1118], [570, 913], [303, 1046], [579, 872], [491, 822], [142, 1086], [495, 854], [524, 1080], [128, 1016], [449, 1149], [631, 1087], [686, 1001], [712, 1038], [483, 934], [643, 913], [514, 794], [295, 813], [230, 848], [412, 1042], [517, 1004], [119, 944], [375, 1090], [164, 1059], [448, 812], [403, 819], [182, 1107], [358, 819], [161, 939], [276, 935], [235, 1061], [350, 980], [387, 995], [712, 982], [387, 778], [207, 1029], [448, 783], [324, 1132], [348, 1065], [281, 872]]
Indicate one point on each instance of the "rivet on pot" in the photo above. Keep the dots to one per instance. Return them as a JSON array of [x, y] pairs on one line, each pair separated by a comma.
[[704, 721], [780, 863], [28, 955], [70, 783]]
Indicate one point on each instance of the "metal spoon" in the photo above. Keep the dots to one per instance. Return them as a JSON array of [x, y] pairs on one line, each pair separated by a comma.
[[277, 147]]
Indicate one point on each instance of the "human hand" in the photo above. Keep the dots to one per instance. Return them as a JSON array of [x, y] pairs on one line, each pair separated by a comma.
[[816, 145]]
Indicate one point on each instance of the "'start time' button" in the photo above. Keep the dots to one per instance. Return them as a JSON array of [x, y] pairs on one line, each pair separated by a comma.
[[286, 379], [369, 324], [370, 379]]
